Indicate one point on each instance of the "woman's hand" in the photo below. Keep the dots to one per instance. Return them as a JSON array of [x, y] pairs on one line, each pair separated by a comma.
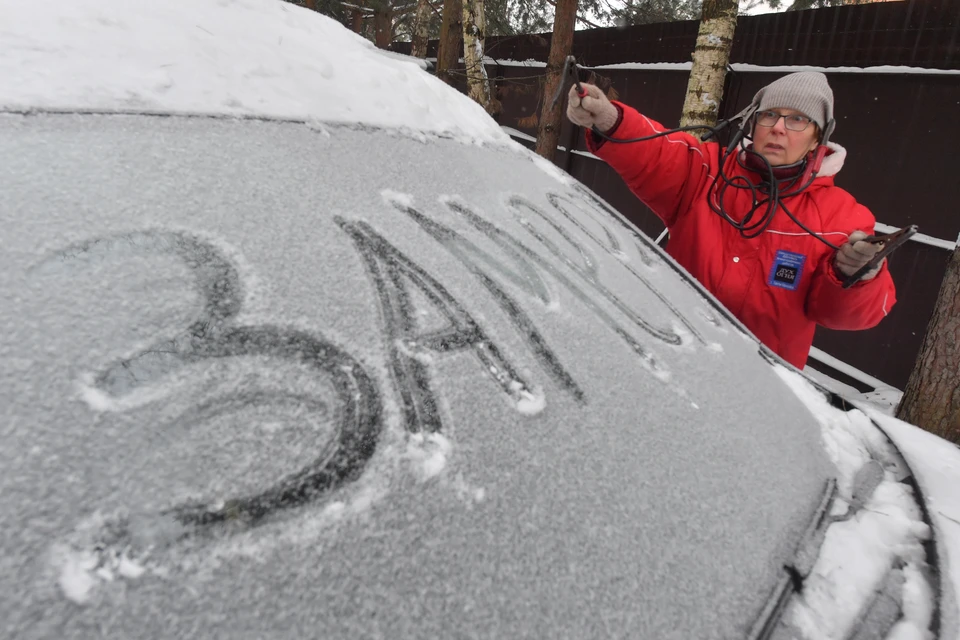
[[856, 253], [593, 110]]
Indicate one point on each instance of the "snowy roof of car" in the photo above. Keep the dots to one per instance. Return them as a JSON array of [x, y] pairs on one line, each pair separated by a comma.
[[241, 58]]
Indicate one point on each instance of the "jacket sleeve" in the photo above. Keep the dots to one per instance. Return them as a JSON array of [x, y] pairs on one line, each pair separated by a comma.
[[666, 172], [863, 305]]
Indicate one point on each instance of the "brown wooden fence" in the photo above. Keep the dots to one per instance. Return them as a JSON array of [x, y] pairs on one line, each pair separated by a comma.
[[915, 33], [901, 128]]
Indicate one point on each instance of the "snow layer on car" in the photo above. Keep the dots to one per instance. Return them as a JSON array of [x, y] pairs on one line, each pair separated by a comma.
[[253, 58], [644, 490]]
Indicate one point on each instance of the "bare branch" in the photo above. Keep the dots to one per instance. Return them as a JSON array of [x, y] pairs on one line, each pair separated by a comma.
[[588, 23], [357, 7]]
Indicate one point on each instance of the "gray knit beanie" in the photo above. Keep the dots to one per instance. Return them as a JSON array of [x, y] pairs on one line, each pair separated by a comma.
[[806, 91]]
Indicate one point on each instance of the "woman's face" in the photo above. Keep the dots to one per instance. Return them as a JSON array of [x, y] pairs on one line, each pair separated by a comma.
[[778, 142]]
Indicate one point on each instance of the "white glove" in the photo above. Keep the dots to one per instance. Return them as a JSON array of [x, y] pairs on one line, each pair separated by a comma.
[[593, 110], [856, 253]]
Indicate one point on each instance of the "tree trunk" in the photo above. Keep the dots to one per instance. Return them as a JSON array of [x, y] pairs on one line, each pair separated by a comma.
[[718, 21], [932, 397], [548, 131], [356, 20], [478, 86], [450, 38], [421, 26], [310, 4], [383, 25]]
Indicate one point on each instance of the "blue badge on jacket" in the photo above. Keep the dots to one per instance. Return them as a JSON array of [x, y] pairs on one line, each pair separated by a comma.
[[787, 269]]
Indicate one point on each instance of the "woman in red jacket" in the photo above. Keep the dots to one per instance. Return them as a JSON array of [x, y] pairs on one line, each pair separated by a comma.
[[781, 274]]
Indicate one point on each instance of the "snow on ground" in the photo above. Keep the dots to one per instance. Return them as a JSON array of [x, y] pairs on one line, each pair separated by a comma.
[[871, 533], [262, 58]]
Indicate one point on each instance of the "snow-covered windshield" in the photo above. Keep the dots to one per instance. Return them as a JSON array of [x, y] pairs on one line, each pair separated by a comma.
[[267, 379]]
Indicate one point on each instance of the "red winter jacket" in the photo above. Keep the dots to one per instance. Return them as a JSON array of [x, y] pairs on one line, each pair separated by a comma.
[[780, 284]]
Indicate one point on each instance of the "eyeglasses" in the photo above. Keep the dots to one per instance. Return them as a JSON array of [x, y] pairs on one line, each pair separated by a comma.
[[793, 123]]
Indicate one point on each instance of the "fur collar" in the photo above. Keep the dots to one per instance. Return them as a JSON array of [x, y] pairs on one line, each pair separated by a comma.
[[833, 162]]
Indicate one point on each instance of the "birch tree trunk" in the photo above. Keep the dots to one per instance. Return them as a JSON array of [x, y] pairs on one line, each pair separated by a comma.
[[474, 29], [718, 21], [932, 397], [450, 36], [421, 24], [561, 44]]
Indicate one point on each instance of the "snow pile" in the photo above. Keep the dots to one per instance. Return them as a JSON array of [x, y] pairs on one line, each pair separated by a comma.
[[76, 579], [392, 197], [529, 403], [428, 454], [102, 550], [259, 58], [102, 402], [429, 458], [468, 493], [876, 526]]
